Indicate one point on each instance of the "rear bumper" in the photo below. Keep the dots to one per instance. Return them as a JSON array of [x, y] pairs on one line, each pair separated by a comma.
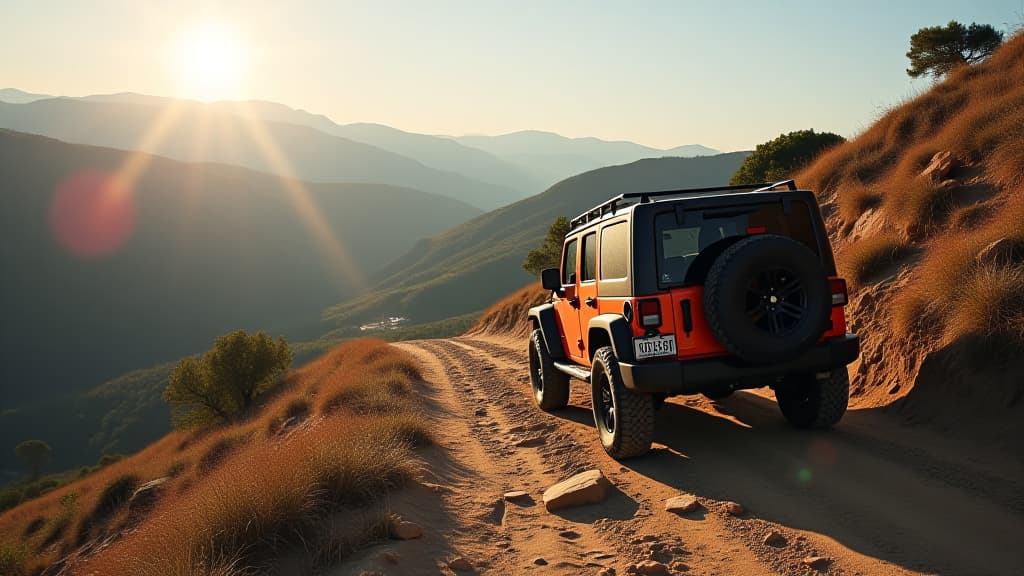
[[695, 376]]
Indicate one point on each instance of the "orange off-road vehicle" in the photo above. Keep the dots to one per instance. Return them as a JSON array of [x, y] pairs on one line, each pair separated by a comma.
[[701, 291]]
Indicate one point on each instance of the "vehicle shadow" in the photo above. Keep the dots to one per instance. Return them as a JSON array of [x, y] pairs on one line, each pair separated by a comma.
[[850, 484]]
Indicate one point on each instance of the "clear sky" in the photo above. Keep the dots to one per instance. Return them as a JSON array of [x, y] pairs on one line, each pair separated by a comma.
[[725, 74]]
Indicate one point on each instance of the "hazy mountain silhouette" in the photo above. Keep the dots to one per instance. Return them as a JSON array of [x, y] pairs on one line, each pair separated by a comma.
[[196, 132], [440, 152], [552, 157], [15, 96], [479, 261], [215, 248]]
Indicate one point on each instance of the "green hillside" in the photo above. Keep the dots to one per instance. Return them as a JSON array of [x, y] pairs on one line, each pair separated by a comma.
[[214, 248], [478, 262]]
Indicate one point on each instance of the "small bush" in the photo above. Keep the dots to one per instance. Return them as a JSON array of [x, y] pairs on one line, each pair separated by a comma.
[[12, 560], [867, 257], [855, 199]]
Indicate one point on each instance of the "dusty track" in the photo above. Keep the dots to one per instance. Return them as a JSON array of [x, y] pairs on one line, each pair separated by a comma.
[[872, 496]]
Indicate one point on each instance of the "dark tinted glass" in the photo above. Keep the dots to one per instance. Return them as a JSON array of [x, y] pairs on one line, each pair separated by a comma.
[[589, 269], [569, 269]]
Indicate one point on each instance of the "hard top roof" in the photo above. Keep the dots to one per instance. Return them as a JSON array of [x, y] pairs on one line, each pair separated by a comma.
[[631, 199]]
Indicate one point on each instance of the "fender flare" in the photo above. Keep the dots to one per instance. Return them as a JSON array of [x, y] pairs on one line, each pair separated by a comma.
[[619, 334], [544, 317]]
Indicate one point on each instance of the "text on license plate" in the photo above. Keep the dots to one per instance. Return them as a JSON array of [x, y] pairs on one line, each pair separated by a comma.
[[651, 346]]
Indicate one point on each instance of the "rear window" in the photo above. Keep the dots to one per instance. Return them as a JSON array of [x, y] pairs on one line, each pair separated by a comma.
[[679, 243]]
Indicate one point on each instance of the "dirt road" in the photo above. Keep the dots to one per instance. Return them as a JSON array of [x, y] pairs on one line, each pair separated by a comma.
[[872, 496]]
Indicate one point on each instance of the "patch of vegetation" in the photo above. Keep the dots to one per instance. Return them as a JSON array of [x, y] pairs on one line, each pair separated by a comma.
[[865, 258], [549, 254], [782, 157], [223, 384]]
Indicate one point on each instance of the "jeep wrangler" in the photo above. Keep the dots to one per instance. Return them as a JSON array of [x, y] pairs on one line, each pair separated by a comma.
[[700, 291]]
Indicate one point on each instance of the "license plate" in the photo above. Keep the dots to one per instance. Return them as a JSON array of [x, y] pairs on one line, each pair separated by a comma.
[[652, 346]]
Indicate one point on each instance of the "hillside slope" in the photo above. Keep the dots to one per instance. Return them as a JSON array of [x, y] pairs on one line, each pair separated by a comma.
[[196, 132], [191, 252], [476, 263], [926, 209]]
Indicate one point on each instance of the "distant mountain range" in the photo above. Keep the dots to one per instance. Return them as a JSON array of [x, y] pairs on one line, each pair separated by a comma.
[[486, 171], [552, 157], [215, 248], [478, 262]]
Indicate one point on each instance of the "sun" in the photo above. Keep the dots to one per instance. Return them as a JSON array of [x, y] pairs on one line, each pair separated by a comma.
[[211, 61]]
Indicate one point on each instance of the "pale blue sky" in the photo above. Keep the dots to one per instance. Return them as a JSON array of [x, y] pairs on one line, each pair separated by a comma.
[[726, 74]]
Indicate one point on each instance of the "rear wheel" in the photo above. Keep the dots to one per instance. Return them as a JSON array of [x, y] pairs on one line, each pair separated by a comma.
[[809, 402], [624, 418], [550, 387]]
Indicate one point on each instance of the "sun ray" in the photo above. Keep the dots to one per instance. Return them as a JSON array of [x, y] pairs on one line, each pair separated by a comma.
[[341, 263]]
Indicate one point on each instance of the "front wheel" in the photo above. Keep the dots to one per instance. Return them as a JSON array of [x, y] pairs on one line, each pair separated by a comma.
[[624, 418], [809, 402], [550, 387]]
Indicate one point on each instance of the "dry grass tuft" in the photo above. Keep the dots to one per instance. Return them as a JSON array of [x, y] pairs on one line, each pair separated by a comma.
[[865, 259]]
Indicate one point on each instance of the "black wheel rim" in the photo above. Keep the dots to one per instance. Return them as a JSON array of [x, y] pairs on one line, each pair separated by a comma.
[[605, 404], [776, 301]]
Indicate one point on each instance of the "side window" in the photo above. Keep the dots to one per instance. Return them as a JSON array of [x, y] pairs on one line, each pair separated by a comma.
[[614, 251], [589, 269], [569, 263]]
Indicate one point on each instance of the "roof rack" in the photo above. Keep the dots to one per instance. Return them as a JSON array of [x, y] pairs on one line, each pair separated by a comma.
[[610, 206]]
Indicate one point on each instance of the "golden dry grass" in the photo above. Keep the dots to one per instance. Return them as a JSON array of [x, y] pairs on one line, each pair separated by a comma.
[[865, 259], [240, 493], [509, 314]]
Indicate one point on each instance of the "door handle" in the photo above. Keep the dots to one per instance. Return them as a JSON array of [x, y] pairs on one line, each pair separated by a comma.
[[574, 302], [591, 301]]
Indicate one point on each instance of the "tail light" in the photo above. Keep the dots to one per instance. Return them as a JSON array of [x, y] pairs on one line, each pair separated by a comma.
[[650, 313], [839, 294]]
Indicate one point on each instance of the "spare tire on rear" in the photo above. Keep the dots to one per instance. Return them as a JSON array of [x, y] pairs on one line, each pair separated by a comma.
[[767, 298]]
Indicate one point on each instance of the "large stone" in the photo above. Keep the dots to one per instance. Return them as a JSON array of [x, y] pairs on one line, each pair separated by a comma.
[[145, 495], [460, 564], [588, 487], [940, 166], [682, 504], [734, 508], [774, 538], [816, 562], [403, 529]]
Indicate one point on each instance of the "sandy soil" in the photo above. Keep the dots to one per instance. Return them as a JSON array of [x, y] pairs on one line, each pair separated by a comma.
[[873, 496]]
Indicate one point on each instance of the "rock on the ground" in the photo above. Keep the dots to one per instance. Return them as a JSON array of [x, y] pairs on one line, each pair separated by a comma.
[[940, 166], [460, 564], [734, 508], [390, 557], [146, 494], [606, 572], [682, 504], [816, 562], [514, 495], [648, 568], [540, 561], [588, 487], [774, 538], [403, 529]]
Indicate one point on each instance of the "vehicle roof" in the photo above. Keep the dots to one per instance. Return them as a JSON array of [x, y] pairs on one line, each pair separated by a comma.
[[697, 197]]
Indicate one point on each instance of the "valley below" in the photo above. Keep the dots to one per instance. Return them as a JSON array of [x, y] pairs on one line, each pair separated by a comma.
[[873, 496]]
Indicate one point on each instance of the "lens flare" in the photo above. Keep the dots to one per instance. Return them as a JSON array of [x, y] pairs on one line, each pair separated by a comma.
[[92, 213]]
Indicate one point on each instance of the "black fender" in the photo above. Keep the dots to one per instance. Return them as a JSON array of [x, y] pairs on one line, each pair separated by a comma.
[[615, 329], [543, 317]]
